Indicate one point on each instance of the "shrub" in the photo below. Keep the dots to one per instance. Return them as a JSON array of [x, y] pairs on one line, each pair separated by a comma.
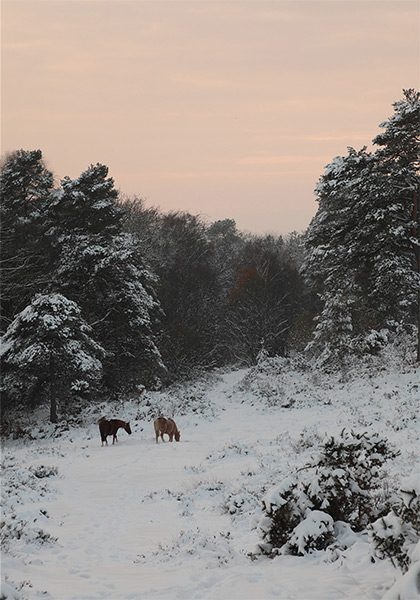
[[315, 532], [394, 535], [338, 485]]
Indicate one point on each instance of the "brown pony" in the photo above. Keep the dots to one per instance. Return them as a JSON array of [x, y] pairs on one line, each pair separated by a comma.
[[167, 426], [110, 428]]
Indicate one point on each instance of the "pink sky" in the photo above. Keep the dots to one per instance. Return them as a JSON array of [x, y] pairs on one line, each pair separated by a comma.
[[229, 109]]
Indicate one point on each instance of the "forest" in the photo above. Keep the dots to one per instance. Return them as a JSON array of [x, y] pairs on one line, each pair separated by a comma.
[[102, 294]]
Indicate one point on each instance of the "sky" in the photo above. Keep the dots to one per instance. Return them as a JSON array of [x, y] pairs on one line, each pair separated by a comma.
[[223, 108]]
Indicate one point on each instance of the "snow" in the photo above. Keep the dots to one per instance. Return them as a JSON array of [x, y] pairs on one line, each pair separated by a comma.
[[140, 520], [406, 587], [316, 524]]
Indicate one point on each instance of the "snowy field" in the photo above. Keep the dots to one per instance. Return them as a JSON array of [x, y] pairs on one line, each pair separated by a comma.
[[178, 520]]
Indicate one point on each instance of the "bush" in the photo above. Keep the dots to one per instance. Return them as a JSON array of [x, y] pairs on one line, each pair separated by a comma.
[[395, 535], [315, 532], [338, 485]]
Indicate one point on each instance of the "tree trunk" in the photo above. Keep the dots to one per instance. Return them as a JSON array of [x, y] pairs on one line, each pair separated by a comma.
[[53, 393]]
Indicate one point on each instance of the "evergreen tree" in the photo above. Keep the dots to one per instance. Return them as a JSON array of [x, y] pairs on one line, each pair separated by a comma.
[[48, 354], [87, 205], [398, 158], [361, 243], [26, 186], [334, 330], [332, 259], [118, 299], [98, 268]]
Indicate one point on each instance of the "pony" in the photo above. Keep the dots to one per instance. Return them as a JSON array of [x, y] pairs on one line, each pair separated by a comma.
[[110, 428], [167, 426]]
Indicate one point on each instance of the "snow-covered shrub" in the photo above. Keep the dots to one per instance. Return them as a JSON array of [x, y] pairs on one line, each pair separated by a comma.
[[283, 514], [387, 534], [339, 483], [21, 486], [394, 535], [42, 471], [410, 496], [8, 592], [240, 501], [315, 532], [347, 469], [264, 380], [211, 549], [372, 342], [178, 399]]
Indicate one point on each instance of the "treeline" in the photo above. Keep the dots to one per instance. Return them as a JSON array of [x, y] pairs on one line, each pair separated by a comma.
[[101, 293]]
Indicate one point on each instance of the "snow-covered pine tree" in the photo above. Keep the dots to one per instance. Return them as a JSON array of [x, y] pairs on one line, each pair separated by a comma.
[[361, 243], [118, 298], [333, 333], [332, 260], [329, 235], [87, 205], [398, 159], [48, 354], [26, 185], [99, 268]]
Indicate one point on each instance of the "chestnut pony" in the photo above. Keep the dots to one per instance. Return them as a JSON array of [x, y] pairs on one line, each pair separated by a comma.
[[167, 426], [111, 427]]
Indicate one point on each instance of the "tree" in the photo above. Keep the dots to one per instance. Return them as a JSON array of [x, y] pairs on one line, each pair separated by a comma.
[[118, 299], [99, 268], [332, 259], [399, 153], [26, 185], [48, 353], [360, 244], [188, 290], [87, 205], [333, 333], [264, 302]]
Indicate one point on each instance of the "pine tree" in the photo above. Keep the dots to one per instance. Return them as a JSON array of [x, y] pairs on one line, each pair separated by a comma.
[[26, 185], [87, 205], [99, 268], [332, 259], [118, 299], [361, 243], [48, 354], [398, 155]]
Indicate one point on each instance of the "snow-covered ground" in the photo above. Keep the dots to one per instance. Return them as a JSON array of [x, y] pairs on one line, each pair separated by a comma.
[[136, 520]]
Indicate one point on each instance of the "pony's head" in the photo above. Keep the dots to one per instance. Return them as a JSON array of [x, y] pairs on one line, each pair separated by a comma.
[[128, 428]]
